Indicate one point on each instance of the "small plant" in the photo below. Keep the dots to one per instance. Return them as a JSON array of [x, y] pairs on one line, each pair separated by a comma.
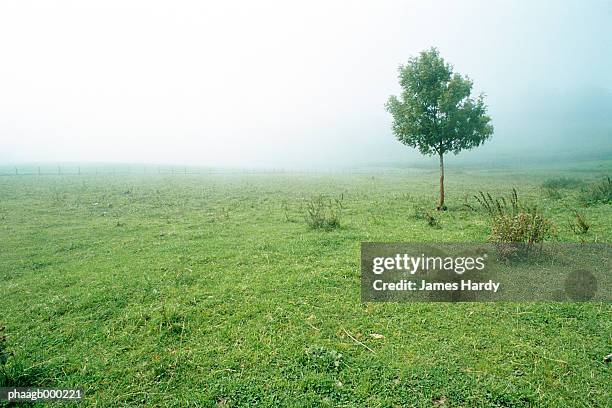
[[597, 193], [528, 227], [323, 213], [430, 219], [579, 225], [515, 228], [322, 359]]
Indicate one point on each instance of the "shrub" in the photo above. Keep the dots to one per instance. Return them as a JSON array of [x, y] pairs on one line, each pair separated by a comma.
[[528, 227], [597, 193], [515, 227], [323, 213]]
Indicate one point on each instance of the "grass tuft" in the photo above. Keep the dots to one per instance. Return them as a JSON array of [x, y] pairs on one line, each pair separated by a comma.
[[597, 193], [323, 212]]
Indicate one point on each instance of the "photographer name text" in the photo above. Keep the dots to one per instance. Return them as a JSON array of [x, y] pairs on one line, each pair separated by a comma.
[[409, 285]]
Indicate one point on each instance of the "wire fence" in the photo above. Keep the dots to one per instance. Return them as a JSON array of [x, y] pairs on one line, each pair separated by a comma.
[[88, 170]]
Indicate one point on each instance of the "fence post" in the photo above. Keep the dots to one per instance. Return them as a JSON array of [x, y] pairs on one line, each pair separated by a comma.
[[16, 171], [59, 170], [39, 170]]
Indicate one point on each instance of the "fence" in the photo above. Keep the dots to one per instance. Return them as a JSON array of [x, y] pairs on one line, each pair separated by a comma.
[[89, 170]]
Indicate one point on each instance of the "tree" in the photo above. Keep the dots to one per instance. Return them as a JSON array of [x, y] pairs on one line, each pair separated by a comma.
[[436, 113]]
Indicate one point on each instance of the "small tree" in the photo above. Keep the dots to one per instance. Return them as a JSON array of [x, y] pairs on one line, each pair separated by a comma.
[[436, 113]]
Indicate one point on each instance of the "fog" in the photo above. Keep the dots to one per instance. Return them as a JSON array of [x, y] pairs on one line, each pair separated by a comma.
[[294, 84]]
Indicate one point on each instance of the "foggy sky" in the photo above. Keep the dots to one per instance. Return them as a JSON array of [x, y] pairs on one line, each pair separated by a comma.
[[282, 83]]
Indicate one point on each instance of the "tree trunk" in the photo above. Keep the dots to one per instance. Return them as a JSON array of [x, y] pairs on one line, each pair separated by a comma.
[[441, 206]]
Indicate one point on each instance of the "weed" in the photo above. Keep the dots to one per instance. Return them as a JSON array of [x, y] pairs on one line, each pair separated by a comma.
[[499, 207], [579, 225], [527, 228], [322, 359], [323, 213], [515, 227], [422, 214]]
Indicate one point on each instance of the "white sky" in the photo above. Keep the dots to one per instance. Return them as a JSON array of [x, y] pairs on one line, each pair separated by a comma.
[[261, 83]]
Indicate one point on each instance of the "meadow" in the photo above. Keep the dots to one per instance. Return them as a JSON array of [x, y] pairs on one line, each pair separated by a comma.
[[212, 290]]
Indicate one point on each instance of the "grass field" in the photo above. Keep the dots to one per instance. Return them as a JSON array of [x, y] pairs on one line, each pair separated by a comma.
[[211, 290]]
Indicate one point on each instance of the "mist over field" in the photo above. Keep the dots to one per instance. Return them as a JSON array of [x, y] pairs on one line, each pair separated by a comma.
[[261, 84], [206, 203]]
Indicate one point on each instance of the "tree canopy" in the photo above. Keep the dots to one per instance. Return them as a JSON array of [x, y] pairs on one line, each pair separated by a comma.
[[435, 112]]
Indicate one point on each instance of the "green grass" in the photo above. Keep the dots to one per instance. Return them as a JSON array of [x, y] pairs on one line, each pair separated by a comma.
[[211, 290]]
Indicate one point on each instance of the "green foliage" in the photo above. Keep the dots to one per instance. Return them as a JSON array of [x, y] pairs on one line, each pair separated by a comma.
[[322, 359], [597, 193], [323, 212], [436, 113]]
